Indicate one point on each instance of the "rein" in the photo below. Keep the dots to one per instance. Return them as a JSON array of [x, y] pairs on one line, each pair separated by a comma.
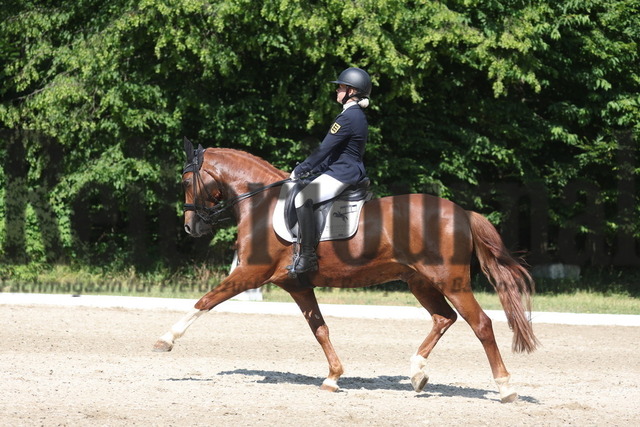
[[214, 214]]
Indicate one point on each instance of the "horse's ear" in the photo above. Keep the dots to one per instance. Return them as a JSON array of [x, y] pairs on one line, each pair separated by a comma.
[[188, 148], [200, 154]]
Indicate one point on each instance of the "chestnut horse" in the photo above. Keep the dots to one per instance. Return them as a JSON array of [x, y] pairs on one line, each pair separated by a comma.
[[422, 240]]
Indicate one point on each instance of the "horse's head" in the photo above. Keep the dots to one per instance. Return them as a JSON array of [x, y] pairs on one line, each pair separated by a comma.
[[203, 194]]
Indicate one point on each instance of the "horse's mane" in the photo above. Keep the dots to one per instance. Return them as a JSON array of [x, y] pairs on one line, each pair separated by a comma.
[[255, 168]]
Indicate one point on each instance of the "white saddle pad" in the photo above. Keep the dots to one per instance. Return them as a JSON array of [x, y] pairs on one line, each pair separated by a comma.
[[342, 219]]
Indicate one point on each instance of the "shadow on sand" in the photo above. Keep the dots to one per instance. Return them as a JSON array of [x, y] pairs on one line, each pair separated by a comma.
[[383, 382]]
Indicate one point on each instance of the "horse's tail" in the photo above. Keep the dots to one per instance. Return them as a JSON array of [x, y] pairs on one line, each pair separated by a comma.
[[512, 281]]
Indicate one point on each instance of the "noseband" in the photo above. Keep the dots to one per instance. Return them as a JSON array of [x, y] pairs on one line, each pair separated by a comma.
[[220, 210]]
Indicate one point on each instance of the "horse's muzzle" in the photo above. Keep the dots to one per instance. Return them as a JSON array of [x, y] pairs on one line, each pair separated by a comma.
[[193, 227]]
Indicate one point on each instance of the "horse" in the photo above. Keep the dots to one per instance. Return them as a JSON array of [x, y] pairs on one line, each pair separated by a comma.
[[423, 240]]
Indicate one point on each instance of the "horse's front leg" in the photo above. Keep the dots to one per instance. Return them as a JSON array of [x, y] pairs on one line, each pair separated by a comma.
[[166, 341], [237, 282], [306, 300]]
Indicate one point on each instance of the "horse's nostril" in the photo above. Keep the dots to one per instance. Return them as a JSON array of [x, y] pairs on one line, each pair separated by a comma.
[[187, 229]]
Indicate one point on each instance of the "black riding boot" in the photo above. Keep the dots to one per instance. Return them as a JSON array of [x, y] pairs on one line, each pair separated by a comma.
[[307, 259]]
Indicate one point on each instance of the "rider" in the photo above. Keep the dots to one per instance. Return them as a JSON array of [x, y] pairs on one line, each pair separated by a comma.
[[337, 161]]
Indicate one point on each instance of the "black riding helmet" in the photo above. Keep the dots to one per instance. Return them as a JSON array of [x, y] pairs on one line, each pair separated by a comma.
[[356, 78]]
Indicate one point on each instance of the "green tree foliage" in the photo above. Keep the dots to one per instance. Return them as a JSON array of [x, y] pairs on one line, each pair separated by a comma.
[[470, 98]]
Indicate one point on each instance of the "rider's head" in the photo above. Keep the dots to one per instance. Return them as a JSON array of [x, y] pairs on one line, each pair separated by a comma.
[[358, 85]]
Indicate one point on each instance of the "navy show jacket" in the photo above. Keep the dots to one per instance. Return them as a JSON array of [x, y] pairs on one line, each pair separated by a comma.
[[340, 155]]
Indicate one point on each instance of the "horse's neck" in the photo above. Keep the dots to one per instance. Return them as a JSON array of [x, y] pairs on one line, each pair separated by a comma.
[[240, 170]]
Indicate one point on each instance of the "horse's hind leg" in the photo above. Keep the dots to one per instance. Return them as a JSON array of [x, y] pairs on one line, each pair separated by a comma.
[[306, 300], [459, 293], [442, 315]]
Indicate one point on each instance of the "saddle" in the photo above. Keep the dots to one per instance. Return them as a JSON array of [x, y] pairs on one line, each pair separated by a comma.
[[336, 218]]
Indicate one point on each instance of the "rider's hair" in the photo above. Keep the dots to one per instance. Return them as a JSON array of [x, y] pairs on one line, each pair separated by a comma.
[[364, 102]]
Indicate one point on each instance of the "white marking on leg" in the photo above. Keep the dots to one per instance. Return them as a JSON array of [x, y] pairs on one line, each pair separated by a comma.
[[418, 372], [179, 328], [417, 363], [331, 384], [507, 394]]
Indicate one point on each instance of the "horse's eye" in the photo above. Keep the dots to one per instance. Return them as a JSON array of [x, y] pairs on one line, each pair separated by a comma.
[[186, 182]]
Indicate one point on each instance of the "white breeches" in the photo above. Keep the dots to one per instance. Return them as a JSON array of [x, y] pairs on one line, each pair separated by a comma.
[[321, 189]]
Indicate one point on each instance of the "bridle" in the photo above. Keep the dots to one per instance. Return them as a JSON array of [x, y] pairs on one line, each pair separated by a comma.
[[220, 210], [208, 214]]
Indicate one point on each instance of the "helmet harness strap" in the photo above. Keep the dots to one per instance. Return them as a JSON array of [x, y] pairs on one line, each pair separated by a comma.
[[348, 97]]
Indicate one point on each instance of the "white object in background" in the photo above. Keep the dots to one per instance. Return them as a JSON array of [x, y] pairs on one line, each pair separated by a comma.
[[248, 295]]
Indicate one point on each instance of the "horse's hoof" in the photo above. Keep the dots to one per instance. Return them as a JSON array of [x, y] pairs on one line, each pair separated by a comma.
[[162, 346], [507, 394], [419, 377], [329, 385], [511, 397], [419, 381]]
